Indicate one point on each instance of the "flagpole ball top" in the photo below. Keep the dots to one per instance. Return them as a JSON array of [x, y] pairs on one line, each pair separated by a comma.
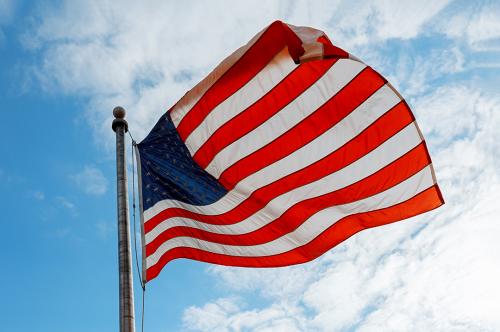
[[119, 114]]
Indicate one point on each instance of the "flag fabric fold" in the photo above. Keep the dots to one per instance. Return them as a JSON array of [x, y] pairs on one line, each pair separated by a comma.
[[289, 147]]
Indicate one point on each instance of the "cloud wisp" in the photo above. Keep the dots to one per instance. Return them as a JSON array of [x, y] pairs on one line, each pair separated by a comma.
[[66, 204], [91, 180]]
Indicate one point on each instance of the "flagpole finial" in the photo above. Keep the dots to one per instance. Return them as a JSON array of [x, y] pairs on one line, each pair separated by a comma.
[[119, 114]]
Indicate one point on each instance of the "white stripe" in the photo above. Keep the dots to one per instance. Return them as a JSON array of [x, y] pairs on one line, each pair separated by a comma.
[[370, 163], [190, 99], [274, 72], [348, 128], [338, 76], [310, 229]]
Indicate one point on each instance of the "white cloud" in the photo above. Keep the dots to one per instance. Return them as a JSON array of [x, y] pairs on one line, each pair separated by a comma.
[[67, 204], [91, 180], [226, 314], [414, 73], [214, 314], [448, 102], [478, 23], [38, 195], [405, 19], [352, 24]]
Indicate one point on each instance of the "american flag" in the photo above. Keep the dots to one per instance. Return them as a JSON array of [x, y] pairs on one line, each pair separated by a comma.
[[290, 146]]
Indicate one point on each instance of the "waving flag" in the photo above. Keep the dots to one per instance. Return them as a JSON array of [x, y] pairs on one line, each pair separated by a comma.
[[290, 146]]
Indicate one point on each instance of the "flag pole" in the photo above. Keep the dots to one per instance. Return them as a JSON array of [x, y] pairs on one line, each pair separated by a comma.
[[127, 316]]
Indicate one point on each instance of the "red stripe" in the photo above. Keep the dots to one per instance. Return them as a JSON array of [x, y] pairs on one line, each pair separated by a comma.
[[387, 177], [281, 95], [378, 132], [427, 200], [272, 41], [325, 117], [330, 50]]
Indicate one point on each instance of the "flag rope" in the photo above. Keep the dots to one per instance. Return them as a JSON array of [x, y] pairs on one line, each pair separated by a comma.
[[143, 285]]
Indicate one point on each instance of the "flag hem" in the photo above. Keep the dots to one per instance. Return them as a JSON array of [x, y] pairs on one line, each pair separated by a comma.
[[141, 212]]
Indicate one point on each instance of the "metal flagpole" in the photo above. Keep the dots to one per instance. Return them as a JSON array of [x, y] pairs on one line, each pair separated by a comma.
[[127, 316]]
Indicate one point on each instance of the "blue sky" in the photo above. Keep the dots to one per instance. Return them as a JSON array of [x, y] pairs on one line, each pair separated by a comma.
[[66, 64]]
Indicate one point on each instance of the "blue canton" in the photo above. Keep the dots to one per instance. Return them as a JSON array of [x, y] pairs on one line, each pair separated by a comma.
[[169, 172]]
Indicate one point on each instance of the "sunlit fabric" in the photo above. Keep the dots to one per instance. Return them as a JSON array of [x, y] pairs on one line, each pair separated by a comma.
[[289, 147]]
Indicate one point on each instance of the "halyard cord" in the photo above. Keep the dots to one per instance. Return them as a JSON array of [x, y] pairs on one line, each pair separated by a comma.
[[143, 286]]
